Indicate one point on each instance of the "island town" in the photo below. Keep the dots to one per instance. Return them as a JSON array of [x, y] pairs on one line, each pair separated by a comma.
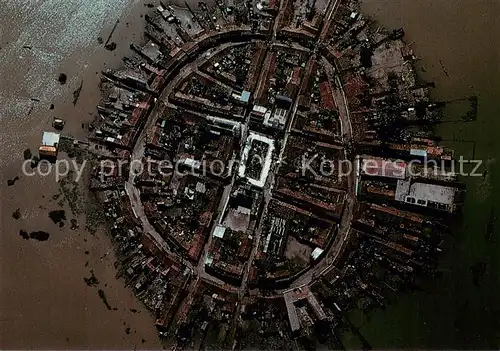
[[302, 181]]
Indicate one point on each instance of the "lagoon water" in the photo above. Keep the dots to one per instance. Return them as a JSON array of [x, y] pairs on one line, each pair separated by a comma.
[[44, 302], [462, 308]]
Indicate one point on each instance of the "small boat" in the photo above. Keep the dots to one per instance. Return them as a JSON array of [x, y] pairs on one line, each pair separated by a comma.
[[58, 123]]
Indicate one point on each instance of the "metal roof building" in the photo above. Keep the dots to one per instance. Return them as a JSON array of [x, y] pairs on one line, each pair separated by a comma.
[[427, 195], [50, 139]]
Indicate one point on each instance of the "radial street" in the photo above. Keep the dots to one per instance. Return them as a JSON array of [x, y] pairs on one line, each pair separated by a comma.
[[330, 257]]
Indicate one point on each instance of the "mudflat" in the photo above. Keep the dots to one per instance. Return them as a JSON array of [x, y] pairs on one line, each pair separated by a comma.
[[51, 291], [45, 301], [459, 48]]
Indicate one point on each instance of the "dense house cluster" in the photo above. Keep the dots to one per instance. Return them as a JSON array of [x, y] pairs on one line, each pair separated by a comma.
[[258, 170]]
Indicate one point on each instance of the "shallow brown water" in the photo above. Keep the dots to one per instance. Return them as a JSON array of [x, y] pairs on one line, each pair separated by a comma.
[[454, 312], [44, 301]]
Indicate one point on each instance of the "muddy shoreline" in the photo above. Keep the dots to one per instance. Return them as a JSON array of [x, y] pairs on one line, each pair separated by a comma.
[[53, 70], [44, 287]]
